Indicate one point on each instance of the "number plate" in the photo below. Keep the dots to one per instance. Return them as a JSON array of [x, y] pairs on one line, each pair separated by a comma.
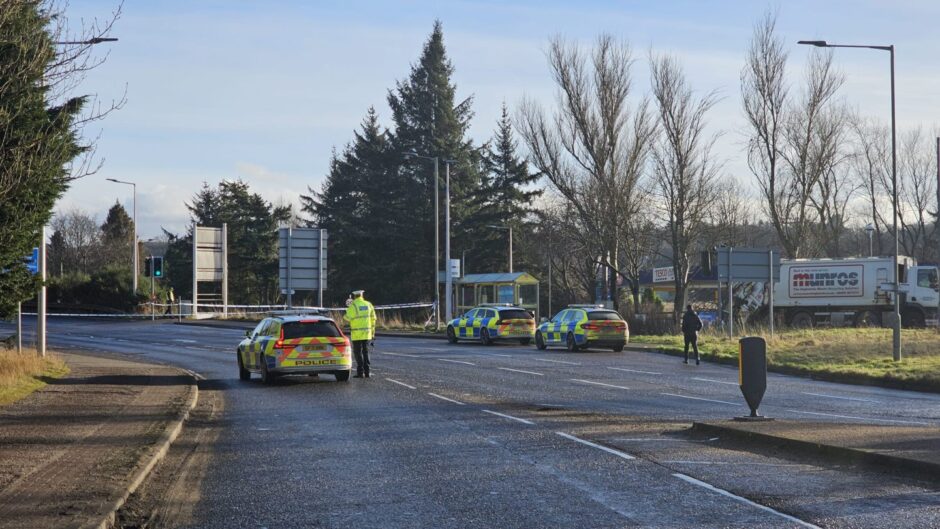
[[313, 347]]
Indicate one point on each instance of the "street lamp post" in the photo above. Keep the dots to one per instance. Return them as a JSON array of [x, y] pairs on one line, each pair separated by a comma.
[[870, 229], [134, 241], [896, 342], [509, 229]]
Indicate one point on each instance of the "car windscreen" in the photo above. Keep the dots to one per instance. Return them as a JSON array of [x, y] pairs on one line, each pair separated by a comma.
[[514, 314], [308, 329], [604, 315]]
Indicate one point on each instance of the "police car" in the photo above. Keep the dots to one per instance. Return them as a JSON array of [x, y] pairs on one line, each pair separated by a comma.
[[293, 345], [582, 326], [489, 323]]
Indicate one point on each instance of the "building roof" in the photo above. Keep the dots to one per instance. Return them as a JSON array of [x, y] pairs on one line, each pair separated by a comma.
[[504, 277]]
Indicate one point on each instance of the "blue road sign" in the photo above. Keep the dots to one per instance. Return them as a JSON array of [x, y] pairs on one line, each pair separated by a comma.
[[32, 262]]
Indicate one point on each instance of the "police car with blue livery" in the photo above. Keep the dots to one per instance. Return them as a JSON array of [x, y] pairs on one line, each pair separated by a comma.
[[491, 322], [581, 326]]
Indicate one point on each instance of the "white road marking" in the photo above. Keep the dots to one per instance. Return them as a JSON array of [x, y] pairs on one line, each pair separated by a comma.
[[556, 361], [715, 381], [456, 361], [181, 340], [837, 397], [617, 453], [431, 349], [649, 439], [523, 421], [748, 463], [693, 481], [497, 354], [521, 371], [859, 418], [400, 354], [400, 383], [599, 383], [699, 398], [445, 398], [634, 371]]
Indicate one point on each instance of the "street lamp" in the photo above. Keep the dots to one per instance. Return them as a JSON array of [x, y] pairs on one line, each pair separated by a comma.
[[894, 185], [509, 229], [89, 42], [870, 229], [134, 242]]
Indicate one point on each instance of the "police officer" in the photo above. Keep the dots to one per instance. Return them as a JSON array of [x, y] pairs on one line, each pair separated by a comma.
[[361, 317], [691, 325]]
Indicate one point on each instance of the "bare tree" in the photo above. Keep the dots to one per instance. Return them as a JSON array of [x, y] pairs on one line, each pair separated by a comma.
[[81, 245], [730, 217], [871, 164], [917, 193], [595, 147], [683, 166]]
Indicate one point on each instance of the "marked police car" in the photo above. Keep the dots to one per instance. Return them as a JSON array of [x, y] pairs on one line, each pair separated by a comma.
[[489, 323], [581, 326], [292, 345]]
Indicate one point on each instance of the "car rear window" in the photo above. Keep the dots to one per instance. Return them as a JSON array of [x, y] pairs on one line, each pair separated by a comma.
[[514, 314], [604, 315], [308, 329]]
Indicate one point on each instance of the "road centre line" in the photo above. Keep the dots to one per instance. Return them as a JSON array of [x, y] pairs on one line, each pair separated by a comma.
[[715, 381], [634, 371], [510, 417], [456, 361], [556, 361], [400, 383], [400, 354], [859, 418], [617, 453], [837, 397], [693, 481], [497, 354], [699, 398], [598, 383], [521, 371], [445, 398]]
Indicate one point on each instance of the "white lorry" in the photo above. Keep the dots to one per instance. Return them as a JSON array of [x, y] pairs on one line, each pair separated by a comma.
[[855, 291]]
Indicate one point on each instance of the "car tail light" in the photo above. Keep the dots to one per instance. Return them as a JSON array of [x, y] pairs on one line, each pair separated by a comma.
[[591, 326], [279, 344]]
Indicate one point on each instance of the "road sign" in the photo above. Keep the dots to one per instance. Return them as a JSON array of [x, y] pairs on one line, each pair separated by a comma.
[[747, 264], [302, 261], [455, 268], [210, 261], [32, 262]]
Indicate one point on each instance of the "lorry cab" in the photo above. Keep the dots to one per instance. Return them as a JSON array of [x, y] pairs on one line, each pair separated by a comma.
[[922, 297]]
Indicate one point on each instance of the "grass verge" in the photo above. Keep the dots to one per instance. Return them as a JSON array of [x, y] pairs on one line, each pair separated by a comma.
[[857, 356], [20, 373]]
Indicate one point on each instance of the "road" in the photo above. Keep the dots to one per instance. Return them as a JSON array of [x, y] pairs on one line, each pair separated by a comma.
[[457, 436]]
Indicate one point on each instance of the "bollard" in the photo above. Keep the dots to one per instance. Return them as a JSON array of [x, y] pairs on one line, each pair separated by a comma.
[[752, 374]]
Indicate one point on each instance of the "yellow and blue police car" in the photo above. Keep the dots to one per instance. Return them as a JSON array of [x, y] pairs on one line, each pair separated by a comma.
[[489, 323], [293, 345], [581, 326]]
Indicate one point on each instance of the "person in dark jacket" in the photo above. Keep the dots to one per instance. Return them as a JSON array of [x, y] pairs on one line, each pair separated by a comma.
[[691, 325]]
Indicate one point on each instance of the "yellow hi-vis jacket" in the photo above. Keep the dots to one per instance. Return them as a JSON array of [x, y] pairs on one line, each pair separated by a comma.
[[361, 317]]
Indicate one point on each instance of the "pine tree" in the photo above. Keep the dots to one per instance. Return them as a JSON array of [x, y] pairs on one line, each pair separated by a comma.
[[116, 234]]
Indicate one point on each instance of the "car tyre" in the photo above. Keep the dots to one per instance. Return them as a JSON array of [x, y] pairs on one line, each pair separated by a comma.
[[451, 335], [525, 341], [485, 337], [266, 376], [618, 348], [571, 343], [243, 374], [342, 376], [540, 341]]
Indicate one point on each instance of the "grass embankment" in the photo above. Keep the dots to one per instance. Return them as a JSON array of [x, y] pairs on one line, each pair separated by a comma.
[[20, 373], [860, 356]]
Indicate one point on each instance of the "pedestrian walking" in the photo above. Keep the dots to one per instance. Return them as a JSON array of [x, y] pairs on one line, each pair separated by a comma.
[[170, 298], [691, 325], [361, 317]]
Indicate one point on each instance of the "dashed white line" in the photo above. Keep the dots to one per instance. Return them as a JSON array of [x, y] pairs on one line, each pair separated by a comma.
[[693, 481], [521, 371], [715, 381], [634, 371], [445, 398], [617, 453], [599, 383], [837, 397], [456, 361], [400, 354], [859, 418], [699, 398], [510, 417], [400, 383], [497, 354], [556, 361]]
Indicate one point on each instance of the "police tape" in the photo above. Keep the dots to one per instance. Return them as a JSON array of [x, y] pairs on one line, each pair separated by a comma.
[[263, 309]]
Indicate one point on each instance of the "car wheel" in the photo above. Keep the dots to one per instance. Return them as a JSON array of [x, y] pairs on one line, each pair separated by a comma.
[[802, 320], [485, 337], [572, 345], [342, 376], [243, 374], [540, 341], [618, 348], [451, 335], [525, 341], [266, 376]]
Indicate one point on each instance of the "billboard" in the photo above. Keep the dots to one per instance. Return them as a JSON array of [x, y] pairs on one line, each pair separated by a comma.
[[811, 281], [664, 275]]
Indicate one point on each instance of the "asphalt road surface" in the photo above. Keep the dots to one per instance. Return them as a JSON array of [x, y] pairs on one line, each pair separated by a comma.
[[459, 436]]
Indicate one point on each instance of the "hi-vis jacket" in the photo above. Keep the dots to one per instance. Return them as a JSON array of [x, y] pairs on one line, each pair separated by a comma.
[[361, 317]]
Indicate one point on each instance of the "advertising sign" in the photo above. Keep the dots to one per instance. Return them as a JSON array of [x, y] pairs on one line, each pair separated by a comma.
[[664, 275], [826, 281]]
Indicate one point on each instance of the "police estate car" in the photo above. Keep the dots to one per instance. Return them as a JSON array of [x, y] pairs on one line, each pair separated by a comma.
[[489, 323], [582, 326], [288, 345]]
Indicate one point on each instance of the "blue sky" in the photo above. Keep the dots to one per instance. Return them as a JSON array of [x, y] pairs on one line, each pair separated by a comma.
[[264, 91]]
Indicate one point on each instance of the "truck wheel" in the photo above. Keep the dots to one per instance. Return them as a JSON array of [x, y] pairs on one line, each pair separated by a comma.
[[867, 318], [914, 319], [802, 320]]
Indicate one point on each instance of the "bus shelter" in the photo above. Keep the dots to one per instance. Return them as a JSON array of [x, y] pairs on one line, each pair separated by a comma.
[[518, 288]]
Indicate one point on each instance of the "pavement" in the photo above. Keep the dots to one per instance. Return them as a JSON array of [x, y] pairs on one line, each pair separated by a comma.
[[72, 452]]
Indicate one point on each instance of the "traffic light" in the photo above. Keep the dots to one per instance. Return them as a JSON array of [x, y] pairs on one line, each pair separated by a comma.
[[157, 266], [148, 266]]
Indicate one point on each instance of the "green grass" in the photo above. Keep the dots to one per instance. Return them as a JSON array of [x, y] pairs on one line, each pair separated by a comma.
[[846, 355], [20, 373]]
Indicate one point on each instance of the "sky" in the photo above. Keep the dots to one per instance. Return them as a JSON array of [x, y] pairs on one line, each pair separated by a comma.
[[264, 91]]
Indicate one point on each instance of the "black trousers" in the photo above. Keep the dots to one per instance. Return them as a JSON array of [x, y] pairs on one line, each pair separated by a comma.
[[361, 351], [691, 338]]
